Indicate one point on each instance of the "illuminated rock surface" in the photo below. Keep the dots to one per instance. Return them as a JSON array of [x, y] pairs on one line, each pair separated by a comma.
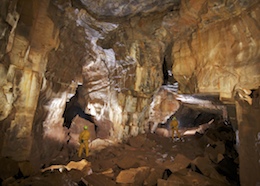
[[155, 160], [121, 53]]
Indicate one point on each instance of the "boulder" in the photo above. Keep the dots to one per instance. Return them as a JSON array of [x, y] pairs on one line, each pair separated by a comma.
[[26, 168], [207, 169], [98, 180], [213, 151], [137, 141], [204, 165], [8, 168], [180, 162], [176, 179], [155, 174], [128, 162], [133, 176], [162, 182]]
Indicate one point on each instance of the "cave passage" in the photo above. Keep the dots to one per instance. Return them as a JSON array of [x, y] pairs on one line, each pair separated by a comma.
[[74, 108], [207, 155], [139, 64]]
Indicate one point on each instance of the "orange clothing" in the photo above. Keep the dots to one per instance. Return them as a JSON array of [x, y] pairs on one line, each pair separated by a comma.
[[174, 126], [83, 140], [174, 123]]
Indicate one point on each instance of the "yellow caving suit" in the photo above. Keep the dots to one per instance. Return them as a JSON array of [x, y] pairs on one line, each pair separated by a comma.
[[174, 127], [83, 140]]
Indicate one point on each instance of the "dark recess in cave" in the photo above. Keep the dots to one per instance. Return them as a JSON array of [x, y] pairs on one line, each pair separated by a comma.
[[73, 108], [165, 73]]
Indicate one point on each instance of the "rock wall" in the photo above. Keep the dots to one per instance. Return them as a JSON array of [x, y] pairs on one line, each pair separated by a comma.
[[51, 46], [117, 54], [249, 139], [221, 56], [24, 65], [217, 52]]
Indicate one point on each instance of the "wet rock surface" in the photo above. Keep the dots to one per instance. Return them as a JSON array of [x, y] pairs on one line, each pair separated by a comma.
[[147, 159]]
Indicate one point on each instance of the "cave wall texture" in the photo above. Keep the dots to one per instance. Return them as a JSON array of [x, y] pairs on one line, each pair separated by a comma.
[[116, 50]]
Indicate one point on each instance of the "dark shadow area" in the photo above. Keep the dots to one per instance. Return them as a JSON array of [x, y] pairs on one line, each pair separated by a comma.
[[168, 78], [189, 118], [165, 73], [74, 108], [72, 111]]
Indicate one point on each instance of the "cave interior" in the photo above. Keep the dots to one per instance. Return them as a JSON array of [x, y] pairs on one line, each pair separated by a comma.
[[125, 69]]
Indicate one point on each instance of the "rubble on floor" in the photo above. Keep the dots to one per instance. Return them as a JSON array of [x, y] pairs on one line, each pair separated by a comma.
[[147, 159]]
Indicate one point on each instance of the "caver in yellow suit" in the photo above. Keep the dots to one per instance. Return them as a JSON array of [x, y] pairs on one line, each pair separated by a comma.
[[174, 127], [83, 140]]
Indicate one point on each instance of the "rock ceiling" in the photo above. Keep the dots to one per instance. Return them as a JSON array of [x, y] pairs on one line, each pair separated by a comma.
[[116, 50]]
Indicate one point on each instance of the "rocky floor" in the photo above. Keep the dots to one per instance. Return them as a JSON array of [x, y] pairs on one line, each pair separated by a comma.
[[207, 158]]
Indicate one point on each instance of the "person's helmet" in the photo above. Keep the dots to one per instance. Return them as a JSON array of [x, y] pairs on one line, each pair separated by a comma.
[[85, 127]]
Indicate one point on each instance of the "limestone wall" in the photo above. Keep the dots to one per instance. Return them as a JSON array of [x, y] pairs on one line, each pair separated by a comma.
[[221, 58], [24, 65], [49, 47]]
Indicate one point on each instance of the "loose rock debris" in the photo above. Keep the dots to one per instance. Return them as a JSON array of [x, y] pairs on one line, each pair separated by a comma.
[[147, 159]]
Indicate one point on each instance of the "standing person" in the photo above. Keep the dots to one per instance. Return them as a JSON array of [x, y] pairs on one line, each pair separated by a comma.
[[83, 140], [174, 126]]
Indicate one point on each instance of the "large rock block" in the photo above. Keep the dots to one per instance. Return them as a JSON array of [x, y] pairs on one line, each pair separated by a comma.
[[133, 176], [180, 162], [8, 168]]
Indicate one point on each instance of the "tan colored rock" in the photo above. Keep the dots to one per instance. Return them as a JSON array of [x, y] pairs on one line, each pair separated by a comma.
[[176, 179], [220, 157], [26, 168], [171, 182], [162, 182], [163, 106], [27, 49], [215, 50], [194, 178], [180, 162], [190, 178], [155, 174], [133, 176], [99, 144], [204, 165], [207, 169], [137, 141], [128, 162], [82, 165], [109, 173], [162, 132], [205, 64]]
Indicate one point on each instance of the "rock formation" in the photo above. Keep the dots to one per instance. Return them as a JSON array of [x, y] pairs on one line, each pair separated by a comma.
[[117, 51]]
